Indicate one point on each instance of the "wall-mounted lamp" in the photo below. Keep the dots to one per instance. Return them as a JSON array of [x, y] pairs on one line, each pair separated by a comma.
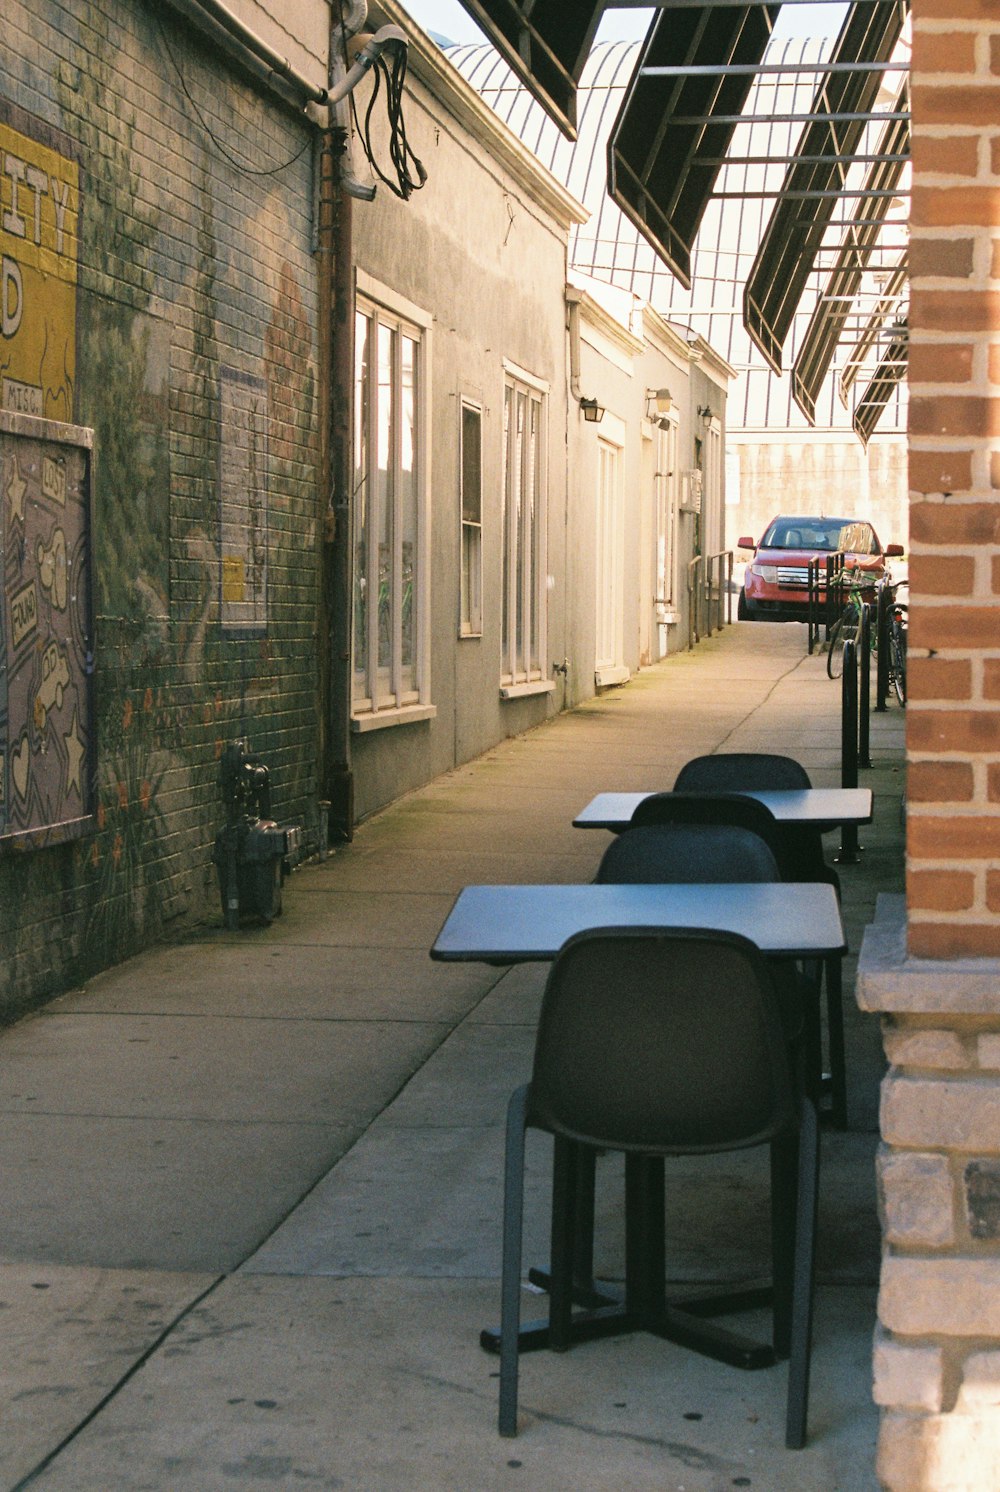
[[705, 414], [658, 403], [593, 412]]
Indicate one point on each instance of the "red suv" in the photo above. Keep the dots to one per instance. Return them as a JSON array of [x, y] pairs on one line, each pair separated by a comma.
[[776, 585]]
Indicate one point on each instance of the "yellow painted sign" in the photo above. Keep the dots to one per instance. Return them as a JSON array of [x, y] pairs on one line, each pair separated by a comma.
[[39, 228]]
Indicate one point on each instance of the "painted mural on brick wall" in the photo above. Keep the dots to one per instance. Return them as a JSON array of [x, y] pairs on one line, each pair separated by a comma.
[[39, 216], [243, 487], [46, 649]]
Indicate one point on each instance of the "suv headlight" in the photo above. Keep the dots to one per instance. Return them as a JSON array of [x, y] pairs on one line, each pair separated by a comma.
[[765, 572]]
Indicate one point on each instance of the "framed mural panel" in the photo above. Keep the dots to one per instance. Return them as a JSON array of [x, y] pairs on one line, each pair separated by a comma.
[[47, 779], [243, 518], [39, 250]]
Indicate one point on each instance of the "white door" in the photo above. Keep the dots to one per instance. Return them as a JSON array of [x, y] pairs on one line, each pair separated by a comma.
[[610, 654]]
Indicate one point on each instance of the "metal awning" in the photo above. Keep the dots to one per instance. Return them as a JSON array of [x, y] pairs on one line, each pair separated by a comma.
[[836, 305], [689, 110], [546, 43], [886, 306], [883, 384], [843, 106], [677, 121]]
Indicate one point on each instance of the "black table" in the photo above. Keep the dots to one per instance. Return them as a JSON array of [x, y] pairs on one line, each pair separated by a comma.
[[821, 808], [515, 924]]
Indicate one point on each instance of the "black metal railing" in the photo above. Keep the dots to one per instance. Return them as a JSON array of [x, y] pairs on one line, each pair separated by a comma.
[[825, 581], [709, 593]]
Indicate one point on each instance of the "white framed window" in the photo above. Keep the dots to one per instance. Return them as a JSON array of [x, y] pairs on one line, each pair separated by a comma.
[[471, 470], [390, 641], [712, 470], [523, 590]]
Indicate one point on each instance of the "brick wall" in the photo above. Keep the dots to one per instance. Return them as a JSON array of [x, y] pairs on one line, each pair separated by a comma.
[[935, 975], [196, 277], [953, 717]]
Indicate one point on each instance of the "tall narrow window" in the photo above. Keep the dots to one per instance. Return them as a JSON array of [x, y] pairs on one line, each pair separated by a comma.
[[711, 505], [390, 580], [523, 629], [472, 520]]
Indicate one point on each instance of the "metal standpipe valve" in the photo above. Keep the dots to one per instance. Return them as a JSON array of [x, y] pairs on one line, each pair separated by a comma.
[[250, 848]]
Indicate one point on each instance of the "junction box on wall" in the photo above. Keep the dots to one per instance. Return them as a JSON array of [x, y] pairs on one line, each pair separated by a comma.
[[250, 848]]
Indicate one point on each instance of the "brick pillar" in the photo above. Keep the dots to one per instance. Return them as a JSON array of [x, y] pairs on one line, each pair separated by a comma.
[[953, 716], [935, 973]]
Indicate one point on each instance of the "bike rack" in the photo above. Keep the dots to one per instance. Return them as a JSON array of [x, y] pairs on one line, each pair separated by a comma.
[[823, 614]]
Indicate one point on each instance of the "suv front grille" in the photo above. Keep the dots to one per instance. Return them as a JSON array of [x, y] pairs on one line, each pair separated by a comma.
[[793, 575]]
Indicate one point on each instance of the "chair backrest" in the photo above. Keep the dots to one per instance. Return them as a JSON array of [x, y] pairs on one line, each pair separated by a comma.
[[740, 771], [687, 851], [734, 810], [661, 1041], [798, 848]]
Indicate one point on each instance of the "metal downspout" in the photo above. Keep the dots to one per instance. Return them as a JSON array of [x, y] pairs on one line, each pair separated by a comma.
[[337, 566]]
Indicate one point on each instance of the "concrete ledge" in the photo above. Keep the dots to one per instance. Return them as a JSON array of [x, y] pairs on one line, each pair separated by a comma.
[[889, 980]]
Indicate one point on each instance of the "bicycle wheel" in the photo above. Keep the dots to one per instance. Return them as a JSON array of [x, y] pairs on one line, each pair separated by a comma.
[[897, 663], [844, 630]]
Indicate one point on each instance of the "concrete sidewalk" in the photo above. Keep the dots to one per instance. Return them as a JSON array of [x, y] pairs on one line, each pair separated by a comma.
[[252, 1182]]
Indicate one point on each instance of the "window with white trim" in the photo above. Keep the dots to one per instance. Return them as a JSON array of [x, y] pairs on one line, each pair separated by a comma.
[[523, 623], [390, 661], [471, 467]]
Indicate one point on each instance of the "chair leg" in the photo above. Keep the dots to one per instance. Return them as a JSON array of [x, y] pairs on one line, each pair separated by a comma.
[[784, 1167], [510, 1283], [805, 1265]]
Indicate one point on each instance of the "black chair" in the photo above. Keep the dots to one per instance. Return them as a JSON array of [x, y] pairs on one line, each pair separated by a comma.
[[799, 852], [729, 810], [672, 850], [663, 1042], [801, 857], [701, 848], [735, 771]]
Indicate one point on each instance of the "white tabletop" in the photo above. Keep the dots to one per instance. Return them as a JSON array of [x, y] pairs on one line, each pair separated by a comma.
[[819, 807], [515, 924]]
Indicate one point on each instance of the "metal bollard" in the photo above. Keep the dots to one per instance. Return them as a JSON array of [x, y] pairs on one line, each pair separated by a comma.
[[849, 747], [864, 688]]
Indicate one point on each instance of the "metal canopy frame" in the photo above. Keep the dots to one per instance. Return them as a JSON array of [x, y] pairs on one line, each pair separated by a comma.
[[886, 306], [883, 384], [826, 326], [674, 128], [546, 43], [674, 134], [778, 278]]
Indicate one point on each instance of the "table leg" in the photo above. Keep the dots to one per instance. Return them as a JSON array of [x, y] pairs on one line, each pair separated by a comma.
[[835, 1029], [645, 1307]]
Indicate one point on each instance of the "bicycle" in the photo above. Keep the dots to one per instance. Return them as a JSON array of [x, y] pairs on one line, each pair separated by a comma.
[[848, 625], [897, 646]]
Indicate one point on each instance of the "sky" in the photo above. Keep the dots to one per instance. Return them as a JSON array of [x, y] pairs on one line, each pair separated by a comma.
[[450, 18]]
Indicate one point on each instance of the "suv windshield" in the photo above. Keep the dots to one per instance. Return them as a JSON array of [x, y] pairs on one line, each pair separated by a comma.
[[820, 534]]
